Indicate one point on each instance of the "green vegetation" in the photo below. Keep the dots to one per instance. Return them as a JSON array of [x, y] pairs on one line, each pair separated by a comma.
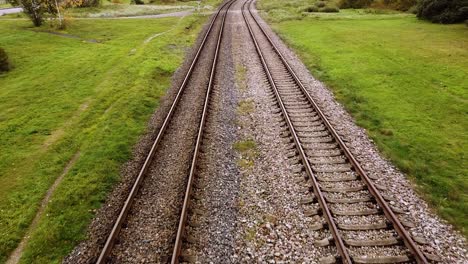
[[89, 92], [4, 62], [246, 107], [443, 11], [405, 81], [121, 10], [247, 148]]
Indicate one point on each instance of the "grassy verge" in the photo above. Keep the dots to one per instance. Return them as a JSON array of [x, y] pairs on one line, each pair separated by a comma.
[[122, 10], [403, 80], [67, 96]]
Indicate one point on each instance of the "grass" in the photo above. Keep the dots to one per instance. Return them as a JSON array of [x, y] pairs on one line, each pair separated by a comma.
[[121, 10], [405, 81], [67, 96], [247, 148], [246, 107]]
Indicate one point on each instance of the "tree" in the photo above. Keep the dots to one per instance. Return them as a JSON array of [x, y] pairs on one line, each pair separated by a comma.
[[35, 10], [443, 11]]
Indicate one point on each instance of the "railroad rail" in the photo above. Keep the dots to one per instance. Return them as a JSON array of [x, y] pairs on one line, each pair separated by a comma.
[[183, 218], [114, 234], [339, 184]]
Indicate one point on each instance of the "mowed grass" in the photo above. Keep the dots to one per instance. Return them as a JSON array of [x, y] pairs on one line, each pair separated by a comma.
[[405, 81], [67, 97]]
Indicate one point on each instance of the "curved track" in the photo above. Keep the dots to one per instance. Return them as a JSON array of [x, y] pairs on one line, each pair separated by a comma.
[[208, 51], [365, 228]]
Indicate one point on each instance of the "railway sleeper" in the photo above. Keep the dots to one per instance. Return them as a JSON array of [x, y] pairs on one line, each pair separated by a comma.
[[303, 135], [189, 258], [360, 227], [320, 146], [310, 140], [322, 153], [293, 114], [349, 200], [336, 177], [344, 189], [327, 260], [372, 242], [356, 212], [296, 101], [298, 107], [323, 242], [381, 259], [328, 160], [305, 119], [308, 111], [346, 167], [312, 212], [307, 123]]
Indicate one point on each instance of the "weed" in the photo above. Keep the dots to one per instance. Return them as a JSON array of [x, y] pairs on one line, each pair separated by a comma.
[[248, 153], [241, 73], [246, 107]]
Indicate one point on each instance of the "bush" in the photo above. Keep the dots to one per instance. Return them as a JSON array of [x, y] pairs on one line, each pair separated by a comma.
[[443, 11], [138, 2], [329, 9], [311, 9], [355, 3], [400, 5], [320, 4], [4, 63]]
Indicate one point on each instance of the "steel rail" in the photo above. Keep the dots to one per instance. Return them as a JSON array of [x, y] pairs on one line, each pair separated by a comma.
[[183, 217], [410, 244], [328, 216], [141, 175]]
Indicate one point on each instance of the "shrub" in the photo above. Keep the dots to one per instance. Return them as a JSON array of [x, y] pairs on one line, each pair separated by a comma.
[[400, 5], [13, 2], [329, 9], [355, 3], [4, 63], [443, 11], [138, 2], [320, 4], [311, 9]]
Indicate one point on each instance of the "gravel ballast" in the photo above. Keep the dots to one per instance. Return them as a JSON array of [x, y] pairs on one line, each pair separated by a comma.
[[249, 207]]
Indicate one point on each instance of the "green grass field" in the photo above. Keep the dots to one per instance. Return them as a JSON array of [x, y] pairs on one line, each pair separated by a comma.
[[73, 96], [402, 79]]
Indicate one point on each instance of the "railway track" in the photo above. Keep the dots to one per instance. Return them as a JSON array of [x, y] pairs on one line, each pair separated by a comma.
[[364, 226], [214, 34]]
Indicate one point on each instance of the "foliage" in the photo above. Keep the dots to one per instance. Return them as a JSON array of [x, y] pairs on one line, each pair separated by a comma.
[[35, 10], [417, 122], [13, 2], [320, 4], [4, 63], [443, 11], [329, 9], [81, 3], [311, 9], [138, 2], [401, 5], [354, 3]]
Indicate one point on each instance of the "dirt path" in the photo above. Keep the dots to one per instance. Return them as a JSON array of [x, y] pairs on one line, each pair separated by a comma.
[[18, 252]]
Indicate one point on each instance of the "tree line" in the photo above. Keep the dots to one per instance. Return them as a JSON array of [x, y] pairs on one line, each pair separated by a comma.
[[437, 11]]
